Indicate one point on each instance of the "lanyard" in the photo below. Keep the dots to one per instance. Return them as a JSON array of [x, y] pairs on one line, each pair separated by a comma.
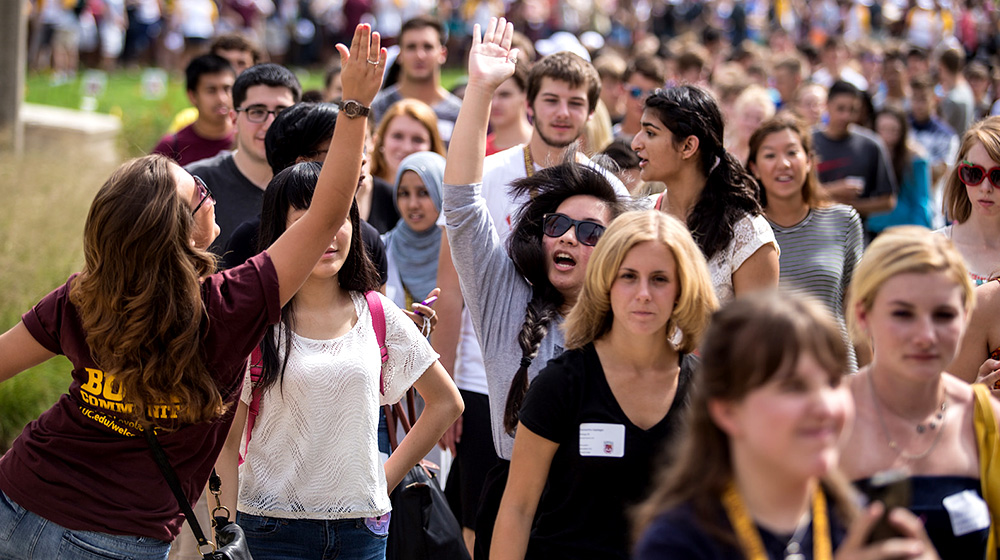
[[749, 537], [529, 164]]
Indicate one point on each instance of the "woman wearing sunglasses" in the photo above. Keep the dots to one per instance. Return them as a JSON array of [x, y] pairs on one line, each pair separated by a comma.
[[518, 294], [597, 417], [156, 340], [680, 144], [972, 200]]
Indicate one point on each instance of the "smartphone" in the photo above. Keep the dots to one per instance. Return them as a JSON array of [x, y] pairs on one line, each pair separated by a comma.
[[428, 302], [894, 489]]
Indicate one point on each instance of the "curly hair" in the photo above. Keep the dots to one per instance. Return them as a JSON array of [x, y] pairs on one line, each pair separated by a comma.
[[730, 192], [139, 294]]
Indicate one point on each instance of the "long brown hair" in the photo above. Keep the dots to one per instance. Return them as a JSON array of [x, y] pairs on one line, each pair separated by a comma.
[[737, 360], [415, 109], [139, 295]]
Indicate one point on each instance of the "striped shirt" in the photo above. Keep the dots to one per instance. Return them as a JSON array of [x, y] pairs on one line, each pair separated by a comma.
[[818, 257]]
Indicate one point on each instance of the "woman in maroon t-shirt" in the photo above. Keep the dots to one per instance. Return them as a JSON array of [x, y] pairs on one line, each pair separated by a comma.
[[155, 340]]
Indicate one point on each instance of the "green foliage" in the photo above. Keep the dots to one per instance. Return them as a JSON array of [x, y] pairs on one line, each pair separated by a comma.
[[144, 121], [24, 397], [46, 197]]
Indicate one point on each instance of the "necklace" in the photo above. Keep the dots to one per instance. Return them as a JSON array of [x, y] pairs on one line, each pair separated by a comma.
[[529, 164], [793, 550], [936, 424], [749, 537]]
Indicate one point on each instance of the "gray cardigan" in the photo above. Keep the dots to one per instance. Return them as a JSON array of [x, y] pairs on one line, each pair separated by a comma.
[[496, 296]]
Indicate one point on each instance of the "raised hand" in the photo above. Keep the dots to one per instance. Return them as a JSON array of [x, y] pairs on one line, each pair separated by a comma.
[[491, 60], [363, 65]]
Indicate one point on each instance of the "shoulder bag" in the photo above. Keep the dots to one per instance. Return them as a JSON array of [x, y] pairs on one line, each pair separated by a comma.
[[230, 542], [422, 525]]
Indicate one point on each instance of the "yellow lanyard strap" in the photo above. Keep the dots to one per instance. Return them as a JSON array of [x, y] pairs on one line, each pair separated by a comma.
[[749, 537]]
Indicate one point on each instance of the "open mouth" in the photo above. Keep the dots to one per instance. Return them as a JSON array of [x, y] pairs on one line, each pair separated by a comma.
[[563, 261]]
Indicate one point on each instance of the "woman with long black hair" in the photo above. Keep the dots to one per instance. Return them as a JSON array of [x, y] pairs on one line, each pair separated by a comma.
[[681, 145]]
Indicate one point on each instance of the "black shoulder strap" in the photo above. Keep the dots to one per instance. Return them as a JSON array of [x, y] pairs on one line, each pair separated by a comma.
[[175, 486]]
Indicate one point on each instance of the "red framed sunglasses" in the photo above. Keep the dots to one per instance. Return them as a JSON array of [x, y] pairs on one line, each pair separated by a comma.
[[972, 175]]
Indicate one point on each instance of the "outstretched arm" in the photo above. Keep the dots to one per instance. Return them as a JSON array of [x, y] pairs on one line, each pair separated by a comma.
[[491, 61], [20, 351], [298, 250]]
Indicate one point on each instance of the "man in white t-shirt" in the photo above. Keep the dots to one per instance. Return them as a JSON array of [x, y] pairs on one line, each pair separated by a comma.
[[563, 90]]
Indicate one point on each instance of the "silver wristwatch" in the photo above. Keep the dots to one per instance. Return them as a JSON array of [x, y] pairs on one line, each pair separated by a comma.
[[353, 109]]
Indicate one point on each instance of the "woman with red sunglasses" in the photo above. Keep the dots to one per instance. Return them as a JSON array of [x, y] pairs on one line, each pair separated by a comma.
[[972, 200]]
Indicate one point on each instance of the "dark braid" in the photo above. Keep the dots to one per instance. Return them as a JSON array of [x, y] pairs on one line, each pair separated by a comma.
[[541, 311], [547, 189]]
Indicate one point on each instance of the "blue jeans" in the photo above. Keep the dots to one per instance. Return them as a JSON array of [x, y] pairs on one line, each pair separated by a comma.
[[26, 535], [271, 538]]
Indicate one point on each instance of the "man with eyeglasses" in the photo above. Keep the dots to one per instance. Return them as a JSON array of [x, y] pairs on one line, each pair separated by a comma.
[[238, 178], [643, 76]]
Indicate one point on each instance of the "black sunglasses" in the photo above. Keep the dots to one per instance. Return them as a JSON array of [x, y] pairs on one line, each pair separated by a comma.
[[204, 193], [587, 232], [972, 174]]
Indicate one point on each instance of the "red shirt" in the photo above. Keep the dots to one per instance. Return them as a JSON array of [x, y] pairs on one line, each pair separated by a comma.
[[82, 465], [186, 146]]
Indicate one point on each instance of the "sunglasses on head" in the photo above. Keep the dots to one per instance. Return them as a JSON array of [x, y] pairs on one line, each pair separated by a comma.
[[972, 174], [587, 232]]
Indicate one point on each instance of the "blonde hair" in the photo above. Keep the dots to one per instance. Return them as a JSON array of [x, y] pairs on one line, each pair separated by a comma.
[[415, 109], [598, 133], [754, 95], [592, 316], [901, 250], [956, 199]]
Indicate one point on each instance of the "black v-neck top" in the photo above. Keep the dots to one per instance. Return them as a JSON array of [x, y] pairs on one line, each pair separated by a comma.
[[582, 511]]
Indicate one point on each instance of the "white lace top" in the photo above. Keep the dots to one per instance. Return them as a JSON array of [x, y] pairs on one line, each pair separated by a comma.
[[314, 450], [749, 234]]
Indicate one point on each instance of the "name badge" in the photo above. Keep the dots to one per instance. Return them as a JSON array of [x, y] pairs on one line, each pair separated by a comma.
[[602, 440], [967, 511]]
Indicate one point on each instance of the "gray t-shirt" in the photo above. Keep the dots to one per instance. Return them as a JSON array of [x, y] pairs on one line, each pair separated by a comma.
[[496, 296], [818, 258], [446, 110], [858, 154]]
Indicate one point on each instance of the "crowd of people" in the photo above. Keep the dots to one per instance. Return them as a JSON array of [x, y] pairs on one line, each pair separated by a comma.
[[673, 303]]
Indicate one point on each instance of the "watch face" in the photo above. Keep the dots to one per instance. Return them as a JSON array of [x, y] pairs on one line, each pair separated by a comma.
[[353, 109]]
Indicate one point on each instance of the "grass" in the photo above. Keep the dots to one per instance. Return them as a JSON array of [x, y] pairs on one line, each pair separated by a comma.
[[46, 201], [144, 120]]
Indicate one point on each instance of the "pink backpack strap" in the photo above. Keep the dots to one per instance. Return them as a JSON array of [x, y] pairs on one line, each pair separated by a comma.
[[378, 323], [256, 371], [659, 201]]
